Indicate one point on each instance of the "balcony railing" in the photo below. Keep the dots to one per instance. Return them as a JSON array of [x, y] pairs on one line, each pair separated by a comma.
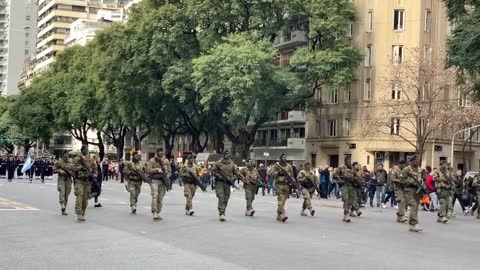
[[291, 39], [275, 142]]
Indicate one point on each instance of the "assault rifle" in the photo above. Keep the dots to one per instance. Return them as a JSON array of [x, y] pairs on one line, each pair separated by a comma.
[[68, 174], [227, 180], [142, 176], [290, 180], [420, 189], [196, 181], [164, 178], [91, 178]]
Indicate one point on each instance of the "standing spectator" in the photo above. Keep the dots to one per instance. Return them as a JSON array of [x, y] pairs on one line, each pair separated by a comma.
[[430, 181], [372, 185], [324, 179], [104, 170], [458, 180], [263, 175], [271, 181], [390, 191], [96, 187], [174, 171], [11, 165], [381, 176]]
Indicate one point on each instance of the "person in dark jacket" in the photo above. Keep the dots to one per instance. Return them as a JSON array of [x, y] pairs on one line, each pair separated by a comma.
[[458, 180], [11, 165], [381, 176], [97, 187], [104, 170], [324, 180], [263, 175]]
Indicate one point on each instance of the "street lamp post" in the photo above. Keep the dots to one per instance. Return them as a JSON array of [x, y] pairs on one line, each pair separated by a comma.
[[453, 140]]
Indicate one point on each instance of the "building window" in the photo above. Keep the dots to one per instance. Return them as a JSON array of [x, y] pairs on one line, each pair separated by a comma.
[[367, 93], [332, 96], [368, 55], [397, 54], [395, 126], [428, 20], [332, 128], [463, 100], [427, 54], [370, 21], [347, 127], [348, 94], [350, 31], [398, 19], [396, 92]]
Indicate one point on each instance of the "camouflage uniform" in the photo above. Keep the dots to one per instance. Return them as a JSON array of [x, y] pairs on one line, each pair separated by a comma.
[[410, 181], [399, 193], [83, 166], [134, 181], [222, 189], [443, 185], [476, 186], [308, 181], [357, 186], [250, 177], [345, 175], [282, 186], [64, 183], [158, 168], [189, 187]]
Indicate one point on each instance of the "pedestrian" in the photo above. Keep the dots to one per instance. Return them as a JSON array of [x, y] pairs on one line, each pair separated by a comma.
[[399, 191], [324, 180], [250, 178], [390, 191], [189, 171], [431, 187], [357, 186], [381, 176], [443, 186], [308, 181], [105, 170], [262, 172], [345, 175], [280, 171], [96, 187], [458, 180]]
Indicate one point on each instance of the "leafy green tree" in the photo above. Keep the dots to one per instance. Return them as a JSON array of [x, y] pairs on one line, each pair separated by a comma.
[[464, 45]]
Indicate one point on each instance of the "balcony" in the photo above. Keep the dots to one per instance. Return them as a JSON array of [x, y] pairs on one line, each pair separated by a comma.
[[291, 39], [290, 143]]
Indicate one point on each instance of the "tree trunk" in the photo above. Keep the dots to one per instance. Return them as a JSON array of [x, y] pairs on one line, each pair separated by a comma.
[[100, 145], [218, 142]]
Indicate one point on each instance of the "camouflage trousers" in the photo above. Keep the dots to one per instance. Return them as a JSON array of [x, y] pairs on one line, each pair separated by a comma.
[[223, 194], [444, 201], [134, 187], [158, 190], [189, 192], [82, 191], [64, 187], [356, 195], [412, 199], [400, 197], [307, 198], [250, 191], [478, 201], [348, 194], [283, 192], [450, 202]]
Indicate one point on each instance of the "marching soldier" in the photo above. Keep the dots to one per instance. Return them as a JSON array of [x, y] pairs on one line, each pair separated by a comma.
[[158, 168], [357, 186], [443, 185], [224, 171], [250, 178], [399, 191], [308, 181], [345, 175], [280, 171], [411, 178], [85, 171], [189, 171], [64, 185], [134, 171], [476, 186]]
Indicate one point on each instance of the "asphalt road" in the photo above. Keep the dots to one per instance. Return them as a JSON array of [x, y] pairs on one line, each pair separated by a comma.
[[35, 236]]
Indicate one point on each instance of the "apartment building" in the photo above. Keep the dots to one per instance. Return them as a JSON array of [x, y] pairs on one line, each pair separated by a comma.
[[285, 133], [17, 41], [386, 31], [54, 20]]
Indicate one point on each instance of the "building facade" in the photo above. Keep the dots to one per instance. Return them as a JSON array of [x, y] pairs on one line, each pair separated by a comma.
[[54, 20], [17, 41], [386, 31]]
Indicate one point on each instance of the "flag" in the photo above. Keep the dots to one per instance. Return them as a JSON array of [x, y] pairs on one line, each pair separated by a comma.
[[28, 163], [132, 151]]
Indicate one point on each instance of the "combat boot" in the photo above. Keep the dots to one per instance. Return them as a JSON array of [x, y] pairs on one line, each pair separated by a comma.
[[282, 218], [222, 218], [303, 214], [156, 216], [346, 219], [415, 228], [312, 212], [190, 212], [402, 219], [80, 218], [62, 206], [352, 214], [247, 212], [442, 220], [252, 212], [358, 213], [134, 209]]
